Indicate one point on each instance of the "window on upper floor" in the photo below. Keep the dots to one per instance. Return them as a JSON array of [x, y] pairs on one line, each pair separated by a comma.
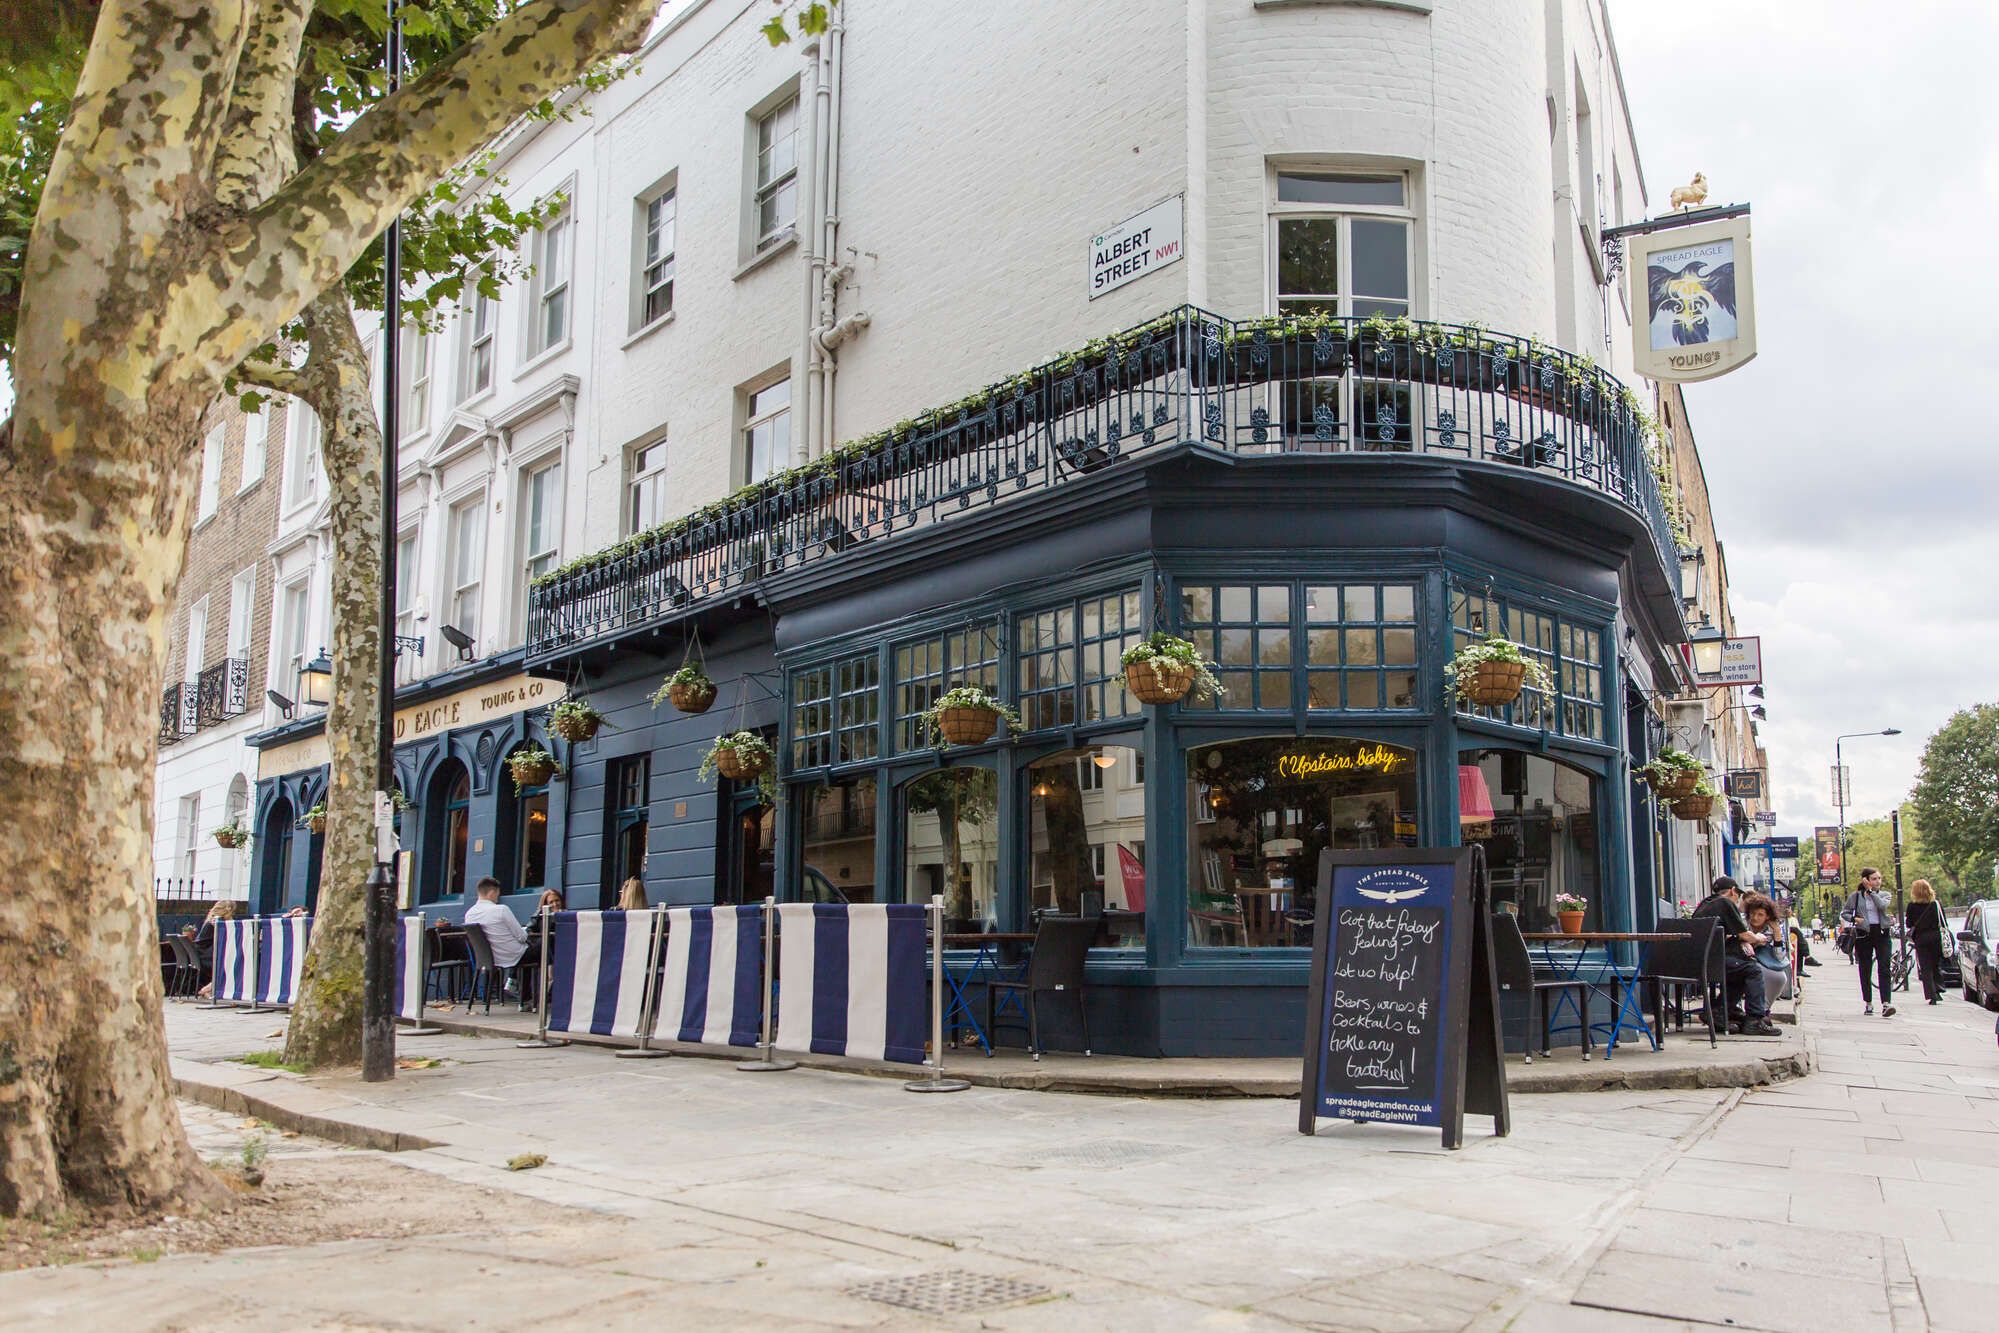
[[541, 521], [776, 193], [211, 474], [409, 660], [293, 610], [467, 556], [657, 214], [766, 430], [1342, 243], [554, 261], [197, 640], [242, 607], [645, 487], [415, 374], [1570, 651], [256, 438], [482, 318], [301, 456]]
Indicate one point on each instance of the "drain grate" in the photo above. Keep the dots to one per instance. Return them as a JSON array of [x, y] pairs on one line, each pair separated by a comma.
[[1105, 1152], [954, 1291]]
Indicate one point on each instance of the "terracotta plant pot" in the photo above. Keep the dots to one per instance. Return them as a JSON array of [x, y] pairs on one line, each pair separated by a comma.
[[1159, 681], [736, 766], [1572, 922], [691, 698], [1676, 783], [531, 773], [1694, 809], [1495, 684], [316, 823], [966, 726], [573, 729]]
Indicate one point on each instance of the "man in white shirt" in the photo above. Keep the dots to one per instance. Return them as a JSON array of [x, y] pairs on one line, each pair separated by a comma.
[[504, 932]]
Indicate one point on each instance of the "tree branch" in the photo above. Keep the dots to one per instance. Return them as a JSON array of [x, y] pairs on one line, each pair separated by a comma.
[[278, 379], [263, 267], [255, 153]]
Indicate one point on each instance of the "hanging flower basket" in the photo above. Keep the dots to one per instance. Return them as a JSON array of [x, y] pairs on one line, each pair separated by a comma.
[[532, 768], [688, 689], [1694, 809], [315, 819], [232, 836], [1492, 673], [743, 756], [1164, 669], [968, 715], [1673, 774], [574, 720], [1677, 784], [737, 765]]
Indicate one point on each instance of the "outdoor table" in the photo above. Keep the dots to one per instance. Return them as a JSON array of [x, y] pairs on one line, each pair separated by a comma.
[[958, 1013], [1624, 1003]]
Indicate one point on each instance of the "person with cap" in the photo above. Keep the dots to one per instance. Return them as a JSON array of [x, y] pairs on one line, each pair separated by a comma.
[[1742, 975], [1869, 915]]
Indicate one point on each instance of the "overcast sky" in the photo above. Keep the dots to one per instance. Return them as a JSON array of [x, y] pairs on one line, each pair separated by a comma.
[[1852, 464]]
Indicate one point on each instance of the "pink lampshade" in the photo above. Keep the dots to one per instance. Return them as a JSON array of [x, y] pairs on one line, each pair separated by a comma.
[[1474, 797]]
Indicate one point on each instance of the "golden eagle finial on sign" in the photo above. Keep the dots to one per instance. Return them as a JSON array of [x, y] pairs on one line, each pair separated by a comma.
[[1694, 193]]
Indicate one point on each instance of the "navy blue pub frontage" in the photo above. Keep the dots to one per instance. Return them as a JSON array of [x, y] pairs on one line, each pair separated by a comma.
[[1328, 528]]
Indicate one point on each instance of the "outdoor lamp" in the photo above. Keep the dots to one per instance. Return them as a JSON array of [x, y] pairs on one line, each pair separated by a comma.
[[1104, 759], [1707, 643], [1760, 713], [458, 639], [315, 681], [1691, 560], [279, 702]]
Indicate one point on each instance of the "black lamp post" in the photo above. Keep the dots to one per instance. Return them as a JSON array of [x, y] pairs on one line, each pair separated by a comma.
[[1840, 793]]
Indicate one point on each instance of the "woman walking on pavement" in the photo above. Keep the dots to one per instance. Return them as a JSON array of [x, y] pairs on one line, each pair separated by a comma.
[[1923, 919], [1869, 914]]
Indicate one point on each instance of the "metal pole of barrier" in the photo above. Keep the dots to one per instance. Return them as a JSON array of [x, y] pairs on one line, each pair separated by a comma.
[[649, 1000], [250, 970], [541, 1015], [215, 967], [420, 1028], [936, 1082], [767, 1061]]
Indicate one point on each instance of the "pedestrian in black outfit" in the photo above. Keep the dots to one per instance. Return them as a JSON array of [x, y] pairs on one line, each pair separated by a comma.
[[1923, 919], [1742, 975], [1869, 913]]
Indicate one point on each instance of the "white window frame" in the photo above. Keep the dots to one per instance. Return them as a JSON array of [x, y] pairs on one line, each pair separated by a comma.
[[256, 441], [294, 614], [466, 510], [550, 285], [301, 456], [654, 251], [415, 368], [538, 557], [642, 484], [242, 611], [481, 324], [752, 420], [211, 472], [196, 647], [765, 185], [1281, 211], [188, 835]]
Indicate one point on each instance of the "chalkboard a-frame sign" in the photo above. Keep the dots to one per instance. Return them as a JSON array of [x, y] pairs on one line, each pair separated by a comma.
[[1403, 1024]]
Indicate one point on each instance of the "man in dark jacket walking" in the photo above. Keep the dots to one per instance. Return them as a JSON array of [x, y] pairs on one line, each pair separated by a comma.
[[1742, 974], [1869, 913]]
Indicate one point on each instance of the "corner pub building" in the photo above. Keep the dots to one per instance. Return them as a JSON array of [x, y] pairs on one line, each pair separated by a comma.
[[1303, 442]]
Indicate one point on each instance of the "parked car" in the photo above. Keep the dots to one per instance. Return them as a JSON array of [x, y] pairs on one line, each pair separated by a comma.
[[1978, 954]]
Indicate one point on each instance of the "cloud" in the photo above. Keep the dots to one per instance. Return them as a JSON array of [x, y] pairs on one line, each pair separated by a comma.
[[1851, 464]]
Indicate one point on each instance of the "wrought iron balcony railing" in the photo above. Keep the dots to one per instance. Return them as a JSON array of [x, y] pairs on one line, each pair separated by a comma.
[[1283, 386], [177, 712], [222, 691]]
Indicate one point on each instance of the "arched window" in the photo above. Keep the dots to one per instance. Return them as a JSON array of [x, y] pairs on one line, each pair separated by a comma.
[[448, 832], [273, 846], [520, 859], [235, 813], [1537, 820]]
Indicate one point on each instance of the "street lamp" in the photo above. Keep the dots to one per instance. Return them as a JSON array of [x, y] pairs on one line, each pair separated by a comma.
[[1691, 560], [1707, 642], [1840, 793], [315, 681]]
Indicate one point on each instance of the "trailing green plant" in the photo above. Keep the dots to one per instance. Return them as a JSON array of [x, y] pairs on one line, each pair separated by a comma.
[[232, 835], [690, 676], [1179, 653], [1705, 787], [579, 714], [399, 802], [318, 811], [967, 696], [1495, 648], [532, 758], [1668, 762], [750, 748]]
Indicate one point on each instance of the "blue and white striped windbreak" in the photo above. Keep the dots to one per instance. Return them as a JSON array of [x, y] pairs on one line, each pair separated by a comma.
[[409, 968], [235, 958], [711, 986], [851, 980], [597, 972], [281, 946]]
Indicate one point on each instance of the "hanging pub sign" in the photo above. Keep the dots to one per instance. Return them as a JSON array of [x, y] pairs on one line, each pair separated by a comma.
[[1825, 850], [1692, 301], [1403, 1019], [1744, 783]]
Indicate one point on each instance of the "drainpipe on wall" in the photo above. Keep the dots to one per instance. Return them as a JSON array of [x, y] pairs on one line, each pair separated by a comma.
[[808, 240], [828, 194]]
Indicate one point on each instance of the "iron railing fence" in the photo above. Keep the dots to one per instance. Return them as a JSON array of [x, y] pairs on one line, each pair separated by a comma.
[[222, 691], [177, 712], [1306, 385]]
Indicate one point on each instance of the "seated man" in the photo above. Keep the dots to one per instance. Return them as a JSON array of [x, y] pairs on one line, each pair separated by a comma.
[[1742, 974], [505, 934]]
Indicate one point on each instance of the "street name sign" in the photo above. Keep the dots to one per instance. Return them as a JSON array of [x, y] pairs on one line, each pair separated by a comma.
[[1402, 1024], [1137, 246]]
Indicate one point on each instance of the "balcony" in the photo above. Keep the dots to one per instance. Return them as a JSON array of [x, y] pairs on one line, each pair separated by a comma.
[[219, 693], [1309, 385], [177, 713]]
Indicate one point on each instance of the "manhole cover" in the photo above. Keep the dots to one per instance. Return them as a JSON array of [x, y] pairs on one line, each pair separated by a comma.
[[952, 1292], [1105, 1152]]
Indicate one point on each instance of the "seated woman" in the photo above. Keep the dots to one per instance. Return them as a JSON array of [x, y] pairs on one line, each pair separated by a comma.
[[228, 909], [632, 896], [1774, 954], [551, 901]]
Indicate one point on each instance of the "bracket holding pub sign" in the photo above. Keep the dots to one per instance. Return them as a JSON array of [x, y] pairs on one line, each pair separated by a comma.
[[1403, 1019]]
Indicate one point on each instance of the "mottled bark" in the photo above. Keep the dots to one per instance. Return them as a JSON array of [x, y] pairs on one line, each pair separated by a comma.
[[143, 287], [326, 1021]]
